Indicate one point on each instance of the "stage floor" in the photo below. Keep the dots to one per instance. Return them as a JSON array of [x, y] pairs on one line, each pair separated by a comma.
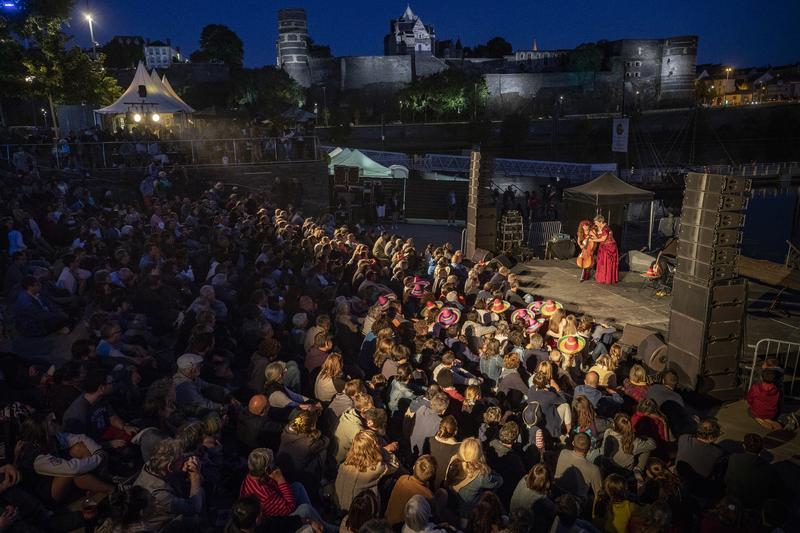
[[629, 302]]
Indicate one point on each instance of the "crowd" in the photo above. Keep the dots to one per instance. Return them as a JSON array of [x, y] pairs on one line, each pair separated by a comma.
[[232, 364]]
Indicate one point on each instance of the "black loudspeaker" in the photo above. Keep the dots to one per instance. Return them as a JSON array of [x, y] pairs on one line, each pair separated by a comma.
[[340, 175], [353, 175], [142, 90], [561, 249], [634, 335], [505, 260], [653, 352], [706, 332], [481, 213]]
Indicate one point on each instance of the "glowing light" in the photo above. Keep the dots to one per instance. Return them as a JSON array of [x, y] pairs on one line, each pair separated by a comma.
[[137, 117], [88, 16], [156, 117]]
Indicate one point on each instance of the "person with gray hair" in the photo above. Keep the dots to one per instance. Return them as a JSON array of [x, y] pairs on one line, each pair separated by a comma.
[[277, 496], [418, 516], [157, 476], [427, 419]]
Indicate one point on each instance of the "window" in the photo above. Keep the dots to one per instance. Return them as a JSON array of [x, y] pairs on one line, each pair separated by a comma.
[[637, 74], [638, 63], [640, 50], [627, 74]]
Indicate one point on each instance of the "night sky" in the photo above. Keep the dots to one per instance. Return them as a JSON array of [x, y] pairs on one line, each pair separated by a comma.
[[735, 32]]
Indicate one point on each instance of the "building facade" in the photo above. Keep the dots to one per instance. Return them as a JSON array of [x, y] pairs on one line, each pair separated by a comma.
[[159, 54], [408, 35], [292, 45]]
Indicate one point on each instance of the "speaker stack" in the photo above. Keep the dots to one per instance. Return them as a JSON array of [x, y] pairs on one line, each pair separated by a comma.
[[510, 235], [709, 300], [481, 212]]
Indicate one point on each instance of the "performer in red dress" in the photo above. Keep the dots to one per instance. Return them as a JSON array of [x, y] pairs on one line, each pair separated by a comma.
[[607, 254]]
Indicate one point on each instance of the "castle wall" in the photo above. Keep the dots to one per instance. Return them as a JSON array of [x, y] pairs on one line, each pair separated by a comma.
[[359, 72], [678, 65]]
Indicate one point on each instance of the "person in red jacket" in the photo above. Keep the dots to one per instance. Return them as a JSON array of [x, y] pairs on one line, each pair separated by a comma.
[[764, 399]]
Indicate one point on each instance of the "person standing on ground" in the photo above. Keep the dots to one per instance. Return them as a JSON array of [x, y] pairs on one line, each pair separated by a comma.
[[451, 208], [607, 253]]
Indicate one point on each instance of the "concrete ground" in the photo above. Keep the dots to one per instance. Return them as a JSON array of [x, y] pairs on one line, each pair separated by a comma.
[[434, 233]]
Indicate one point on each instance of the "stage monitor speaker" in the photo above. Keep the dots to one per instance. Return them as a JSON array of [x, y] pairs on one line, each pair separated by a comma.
[[634, 335], [481, 255], [505, 260], [639, 261], [652, 351], [561, 249]]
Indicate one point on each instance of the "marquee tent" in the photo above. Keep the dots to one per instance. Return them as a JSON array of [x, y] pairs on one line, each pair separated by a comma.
[[607, 189], [158, 97], [355, 158]]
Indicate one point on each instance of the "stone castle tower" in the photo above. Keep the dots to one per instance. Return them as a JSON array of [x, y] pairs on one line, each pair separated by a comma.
[[292, 45], [408, 35]]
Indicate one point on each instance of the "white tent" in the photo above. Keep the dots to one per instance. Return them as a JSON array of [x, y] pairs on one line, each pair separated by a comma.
[[157, 98], [170, 91], [355, 158]]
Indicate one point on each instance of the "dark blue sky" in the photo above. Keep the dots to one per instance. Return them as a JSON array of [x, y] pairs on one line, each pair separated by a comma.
[[736, 32]]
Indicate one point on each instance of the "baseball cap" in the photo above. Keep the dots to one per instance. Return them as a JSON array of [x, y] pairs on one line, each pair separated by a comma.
[[189, 360]]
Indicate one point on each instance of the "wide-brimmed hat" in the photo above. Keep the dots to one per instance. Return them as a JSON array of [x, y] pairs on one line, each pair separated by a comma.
[[449, 316], [549, 307], [535, 307], [384, 301], [650, 274], [499, 306], [421, 281], [521, 314], [534, 325], [417, 291], [570, 344]]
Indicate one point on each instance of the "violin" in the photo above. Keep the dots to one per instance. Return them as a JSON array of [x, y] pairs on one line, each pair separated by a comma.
[[586, 258]]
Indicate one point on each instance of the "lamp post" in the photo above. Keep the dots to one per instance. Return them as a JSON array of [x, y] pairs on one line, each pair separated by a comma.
[[728, 72], [90, 20]]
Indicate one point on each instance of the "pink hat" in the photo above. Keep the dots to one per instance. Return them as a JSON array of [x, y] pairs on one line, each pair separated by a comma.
[[384, 301], [549, 308], [421, 281], [418, 290], [449, 316], [571, 344], [499, 306], [521, 314], [534, 324]]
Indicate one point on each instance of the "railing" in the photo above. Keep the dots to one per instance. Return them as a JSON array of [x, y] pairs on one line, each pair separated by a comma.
[[787, 353], [136, 154], [648, 175]]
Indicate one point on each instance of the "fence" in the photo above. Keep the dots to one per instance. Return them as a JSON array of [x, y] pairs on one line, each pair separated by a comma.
[[754, 170], [788, 355], [135, 154]]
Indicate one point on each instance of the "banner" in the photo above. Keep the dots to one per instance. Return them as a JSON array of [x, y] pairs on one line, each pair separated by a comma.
[[619, 136]]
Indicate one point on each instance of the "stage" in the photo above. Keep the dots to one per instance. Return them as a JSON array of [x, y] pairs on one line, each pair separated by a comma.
[[628, 302]]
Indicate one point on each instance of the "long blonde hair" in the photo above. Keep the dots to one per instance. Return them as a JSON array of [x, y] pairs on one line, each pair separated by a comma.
[[332, 366], [571, 325], [470, 453], [554, 322], [365, 452]]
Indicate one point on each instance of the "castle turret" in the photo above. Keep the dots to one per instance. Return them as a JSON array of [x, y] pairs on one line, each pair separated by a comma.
[[292, 44]]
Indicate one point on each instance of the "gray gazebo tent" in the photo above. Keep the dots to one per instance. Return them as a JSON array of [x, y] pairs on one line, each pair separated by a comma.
[[606, 190]]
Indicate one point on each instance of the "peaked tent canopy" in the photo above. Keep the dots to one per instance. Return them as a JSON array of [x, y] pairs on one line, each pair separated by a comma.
[[158, 98], [355, 158], [607, 189], [170, 91]]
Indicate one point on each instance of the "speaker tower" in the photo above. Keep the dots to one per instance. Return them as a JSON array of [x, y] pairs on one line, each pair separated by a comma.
[[481, 213]]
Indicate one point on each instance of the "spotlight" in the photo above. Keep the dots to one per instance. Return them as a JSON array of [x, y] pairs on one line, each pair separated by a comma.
[[137, 117], [156, 117]]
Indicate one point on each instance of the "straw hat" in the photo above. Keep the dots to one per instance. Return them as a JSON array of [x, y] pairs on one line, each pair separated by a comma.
[[549, 308], [535, 307], [571, 344], [417, 291], [521, 314], [421, 281], [499, 306], [534, 324], [449, 316]]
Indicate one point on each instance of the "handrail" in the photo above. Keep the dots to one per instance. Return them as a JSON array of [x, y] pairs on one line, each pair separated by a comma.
[[792, 256], [783, 350]]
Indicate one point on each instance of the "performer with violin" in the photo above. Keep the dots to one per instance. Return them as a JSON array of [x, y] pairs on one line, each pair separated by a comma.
[[585, 259], [607, 271]]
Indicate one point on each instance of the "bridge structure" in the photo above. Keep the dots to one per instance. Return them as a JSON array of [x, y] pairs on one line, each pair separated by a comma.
[[576, 173]]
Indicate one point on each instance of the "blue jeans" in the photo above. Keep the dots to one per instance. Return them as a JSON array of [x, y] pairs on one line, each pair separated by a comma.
[[304, 508]]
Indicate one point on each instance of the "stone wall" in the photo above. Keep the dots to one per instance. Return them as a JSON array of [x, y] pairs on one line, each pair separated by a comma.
[[359, 72]]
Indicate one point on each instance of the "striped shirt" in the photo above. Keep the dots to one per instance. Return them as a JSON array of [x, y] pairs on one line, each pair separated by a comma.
[[276, 499]]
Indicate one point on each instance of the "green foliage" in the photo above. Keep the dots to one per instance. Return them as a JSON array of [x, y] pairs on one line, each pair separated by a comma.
[[585, 58], [12, 71], [451, 93], [120, 55], [496, 48], [265, 91], [219, 43], [85, 80], [514, 131]]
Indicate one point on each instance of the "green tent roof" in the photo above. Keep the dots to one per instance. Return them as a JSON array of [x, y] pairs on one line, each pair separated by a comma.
[[355, 158]]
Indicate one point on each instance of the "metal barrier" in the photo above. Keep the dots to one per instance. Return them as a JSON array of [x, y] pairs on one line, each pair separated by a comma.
[[787, 353], [136, 154], [539, 233]]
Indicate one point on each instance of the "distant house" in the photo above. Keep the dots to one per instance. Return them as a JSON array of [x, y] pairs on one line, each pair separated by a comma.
[[408, 35], [158, 54]]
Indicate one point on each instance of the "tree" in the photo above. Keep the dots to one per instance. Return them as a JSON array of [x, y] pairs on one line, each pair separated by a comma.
[[85, 80], [219, 43], [12, 72], [496, 47], [119, 54], [451, 93], [585, 58], [265, 91]]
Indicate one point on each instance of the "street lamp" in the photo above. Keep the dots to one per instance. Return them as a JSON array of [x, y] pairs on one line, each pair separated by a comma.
[[728, 71], [90, 20]]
